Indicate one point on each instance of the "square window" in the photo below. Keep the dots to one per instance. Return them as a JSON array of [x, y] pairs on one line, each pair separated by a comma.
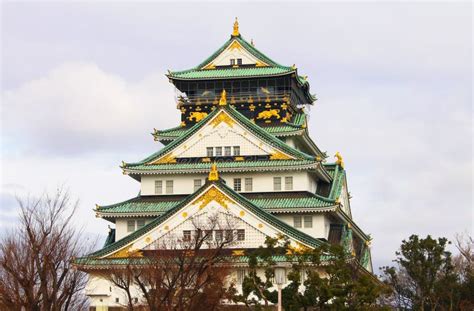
[[229, 235], [187, 235], [297, 221], [232, 61], [136, 300], [210, 151], [236, 150], [241, 235], [308, 221], [158, 186], [117, 300], [218, 151], [140, 223], [130, 225], [277, 183], [227, 151], [208, 235], [239, 61], [169, 186], [197, 184], [219, 235], [289, 183], [237, 184], [248, 184]]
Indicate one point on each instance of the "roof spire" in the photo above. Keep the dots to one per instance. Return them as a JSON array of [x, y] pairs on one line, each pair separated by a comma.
[[236, 32], [223, 100], [213, 174]]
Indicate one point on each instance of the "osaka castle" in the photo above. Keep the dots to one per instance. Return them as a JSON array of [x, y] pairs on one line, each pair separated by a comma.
[[242, 148]]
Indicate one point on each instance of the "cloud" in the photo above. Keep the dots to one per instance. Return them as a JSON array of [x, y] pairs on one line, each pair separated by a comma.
[[78, 108]]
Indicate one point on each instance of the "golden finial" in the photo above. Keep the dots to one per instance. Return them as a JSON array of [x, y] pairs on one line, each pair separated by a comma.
[[236, 33], [223, 100], [213, 174], [339, 159]]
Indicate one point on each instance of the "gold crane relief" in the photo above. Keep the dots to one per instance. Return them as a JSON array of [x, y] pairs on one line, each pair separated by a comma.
[[267, 114], [197, 116]]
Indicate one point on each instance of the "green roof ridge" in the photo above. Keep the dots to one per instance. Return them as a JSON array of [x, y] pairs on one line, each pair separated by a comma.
[[255, 129], [292, 232]]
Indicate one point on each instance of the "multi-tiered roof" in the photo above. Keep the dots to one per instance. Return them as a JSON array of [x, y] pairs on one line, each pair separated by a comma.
[[263, 101]]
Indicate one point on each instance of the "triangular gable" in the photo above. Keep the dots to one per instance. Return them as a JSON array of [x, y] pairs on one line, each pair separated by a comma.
[[212, 196], [224, 120]]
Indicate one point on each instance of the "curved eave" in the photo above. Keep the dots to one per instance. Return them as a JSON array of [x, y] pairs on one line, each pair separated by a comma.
[[173, 76]]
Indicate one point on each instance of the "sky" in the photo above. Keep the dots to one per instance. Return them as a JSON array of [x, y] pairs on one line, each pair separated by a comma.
[[83, 86]]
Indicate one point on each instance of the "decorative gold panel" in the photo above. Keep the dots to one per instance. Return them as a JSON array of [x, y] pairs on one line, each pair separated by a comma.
[[277, 155], [167, 159], [222, 117], [210, 195]]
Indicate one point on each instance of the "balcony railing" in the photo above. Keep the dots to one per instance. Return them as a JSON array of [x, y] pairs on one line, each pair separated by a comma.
[[233, 98]]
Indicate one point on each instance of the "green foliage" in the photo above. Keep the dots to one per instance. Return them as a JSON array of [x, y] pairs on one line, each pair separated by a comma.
[[425, 277]]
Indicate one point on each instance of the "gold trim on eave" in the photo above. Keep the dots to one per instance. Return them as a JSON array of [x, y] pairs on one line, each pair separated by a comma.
[[210, 195], [169, 158], [277, 155], [222, 117]]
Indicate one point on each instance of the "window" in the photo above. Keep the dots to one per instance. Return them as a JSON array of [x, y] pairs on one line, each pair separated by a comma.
[[241, 235], [187, 235], [289, 183], [297, 221], [219, 235], [158, 186], [198, 234], [241, 273], [308, 221], [117, 300], [239, 61], [208, 235], [236, 150], [136, 300], [130, 225], [227, 151], [218, 151], [248, 184], [140, 223], [210, 151], [277, 183], [197, 184], [237, 184], [229, 235], [232, 61], [169, 186]]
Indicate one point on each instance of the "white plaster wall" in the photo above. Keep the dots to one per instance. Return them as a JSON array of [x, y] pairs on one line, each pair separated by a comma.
[[121, 227], [262, 182], [320, 227], [224, 58]]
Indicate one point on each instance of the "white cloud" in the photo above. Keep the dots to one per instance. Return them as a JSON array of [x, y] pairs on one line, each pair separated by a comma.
[[78, 108]]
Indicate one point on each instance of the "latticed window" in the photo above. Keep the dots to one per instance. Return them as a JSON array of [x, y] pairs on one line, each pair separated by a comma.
[[219, 235], [277, 183], [208, 235], [187, 235], [289, 183], [232, 61], [237, 184], [130, 225], [227, 151], [158, 186], [308, 221], [248, 184], [140, 223], [229, 235], [197, 184], [236, 150], [297, 221], [210, 151], [218, 151], [239, 61], [169, 186], [240, 235]]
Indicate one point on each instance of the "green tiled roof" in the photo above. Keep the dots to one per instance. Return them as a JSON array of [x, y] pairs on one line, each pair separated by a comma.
[[278, 224], [242, 120], [338, 175], [225, 166], [146, 204], [224, 73]]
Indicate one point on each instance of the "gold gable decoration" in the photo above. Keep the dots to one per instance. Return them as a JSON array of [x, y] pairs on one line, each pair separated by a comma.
[[223, 100], [213, 174], [222, 117], [197, 116], [127, 253], [235, 45], [277, 155], [167, 159], [210, 195]]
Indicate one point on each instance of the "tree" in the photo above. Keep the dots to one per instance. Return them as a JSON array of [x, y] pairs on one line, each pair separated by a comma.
[[323, 278], [424, 278], [464, 268], [181, 273], [35, 259]]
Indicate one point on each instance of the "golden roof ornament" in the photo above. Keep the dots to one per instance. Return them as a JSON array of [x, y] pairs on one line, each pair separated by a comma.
[[223, 100], [213, 174], [236, 33], [339, 159]]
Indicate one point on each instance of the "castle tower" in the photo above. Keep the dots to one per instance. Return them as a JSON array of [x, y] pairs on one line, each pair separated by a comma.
[[242, 147]]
